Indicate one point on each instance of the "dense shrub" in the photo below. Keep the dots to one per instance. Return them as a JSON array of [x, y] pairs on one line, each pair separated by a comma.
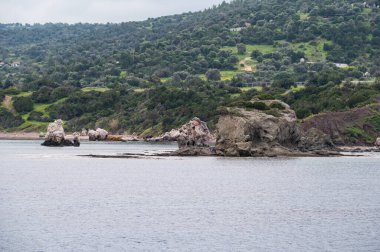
[[37, 116], [23, 104], [8, 120], [213, 75], [277, 105], [260, 106]]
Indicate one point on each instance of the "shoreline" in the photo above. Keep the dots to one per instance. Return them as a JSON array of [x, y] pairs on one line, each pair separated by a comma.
[[20, 136], [36, 136]]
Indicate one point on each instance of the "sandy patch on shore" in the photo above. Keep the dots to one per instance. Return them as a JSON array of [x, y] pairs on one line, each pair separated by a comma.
[[20, 135]]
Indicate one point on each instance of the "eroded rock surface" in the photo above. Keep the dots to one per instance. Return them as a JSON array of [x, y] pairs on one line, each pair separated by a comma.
[[55, 135], [97, 135], [270, 132], [193, 133], [193, 138]]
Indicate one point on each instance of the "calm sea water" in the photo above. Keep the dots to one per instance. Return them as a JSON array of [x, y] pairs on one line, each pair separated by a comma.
[[53, 200]]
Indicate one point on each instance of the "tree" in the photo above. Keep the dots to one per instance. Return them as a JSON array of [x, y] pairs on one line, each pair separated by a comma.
[[23, 104], [283, 79], [213, 75], [256, 53], [241, 48]]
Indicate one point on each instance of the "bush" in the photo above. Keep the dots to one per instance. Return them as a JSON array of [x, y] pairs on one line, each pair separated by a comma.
[[283, 80], [61, 92], [354, 132], [37, 116], [259, 106], [266, 96], [23, 104], [303, 113], [241, 48], [277, 105], [213, 75], [359, 96], [374, 122], [8, 120], [42, 95]]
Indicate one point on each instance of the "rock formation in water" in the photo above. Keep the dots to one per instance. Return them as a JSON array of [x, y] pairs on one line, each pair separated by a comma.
[[193, 138], [377, 142], [83, 132], [97, 135], [76, 141], [264, 128], [55, 135], [193, 133]]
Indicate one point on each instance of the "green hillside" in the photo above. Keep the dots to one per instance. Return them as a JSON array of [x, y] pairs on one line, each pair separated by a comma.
[[150, 76]]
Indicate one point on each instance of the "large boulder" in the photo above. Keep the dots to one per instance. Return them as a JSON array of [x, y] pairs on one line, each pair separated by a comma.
[[55, 135], [261, 128], [93, 135], [97, 135]]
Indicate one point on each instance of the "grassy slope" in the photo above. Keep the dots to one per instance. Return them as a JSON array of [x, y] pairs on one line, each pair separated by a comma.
[[29, 125], [313, 52]]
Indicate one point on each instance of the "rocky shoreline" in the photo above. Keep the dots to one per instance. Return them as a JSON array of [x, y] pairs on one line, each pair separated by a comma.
[[20, 135], [259, 128], [35, 136]]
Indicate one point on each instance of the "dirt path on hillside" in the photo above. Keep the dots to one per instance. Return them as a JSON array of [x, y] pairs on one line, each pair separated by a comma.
[[245, 67], [8, 104]]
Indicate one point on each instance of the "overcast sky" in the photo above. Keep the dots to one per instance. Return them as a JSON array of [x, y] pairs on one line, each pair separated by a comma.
[[94, 11]]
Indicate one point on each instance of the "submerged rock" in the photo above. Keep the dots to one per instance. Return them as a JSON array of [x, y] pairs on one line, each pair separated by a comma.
[[97, 135], [55, 135], [271, 130]]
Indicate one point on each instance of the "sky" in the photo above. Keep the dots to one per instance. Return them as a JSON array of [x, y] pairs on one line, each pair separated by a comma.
[[94, 11]]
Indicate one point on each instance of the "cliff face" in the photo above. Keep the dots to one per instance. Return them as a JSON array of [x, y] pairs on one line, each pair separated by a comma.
[[270, 130], [359, 126]]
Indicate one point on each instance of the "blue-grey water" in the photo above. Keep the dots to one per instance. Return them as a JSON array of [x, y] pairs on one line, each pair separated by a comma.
[[53, 200]]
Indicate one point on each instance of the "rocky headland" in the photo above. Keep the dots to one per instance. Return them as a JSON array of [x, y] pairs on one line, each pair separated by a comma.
[[267, 128]]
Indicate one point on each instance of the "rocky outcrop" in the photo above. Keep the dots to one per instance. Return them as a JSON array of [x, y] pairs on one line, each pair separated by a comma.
[[97, 135], [314, 139], [193, 133], [83, 132], [342, 127], [55, 136], [271, 130], [193, 138]]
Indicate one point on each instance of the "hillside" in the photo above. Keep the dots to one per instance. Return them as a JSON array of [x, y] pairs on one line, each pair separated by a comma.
[[150, 76]]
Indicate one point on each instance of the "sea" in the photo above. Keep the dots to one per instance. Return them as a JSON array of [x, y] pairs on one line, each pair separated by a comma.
[[61, 199]]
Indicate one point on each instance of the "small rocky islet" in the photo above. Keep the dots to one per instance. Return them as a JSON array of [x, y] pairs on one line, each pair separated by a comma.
[[260, 128]]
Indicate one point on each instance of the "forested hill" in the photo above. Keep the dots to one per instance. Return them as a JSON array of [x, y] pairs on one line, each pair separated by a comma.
[[95, 54], [223, 54]]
